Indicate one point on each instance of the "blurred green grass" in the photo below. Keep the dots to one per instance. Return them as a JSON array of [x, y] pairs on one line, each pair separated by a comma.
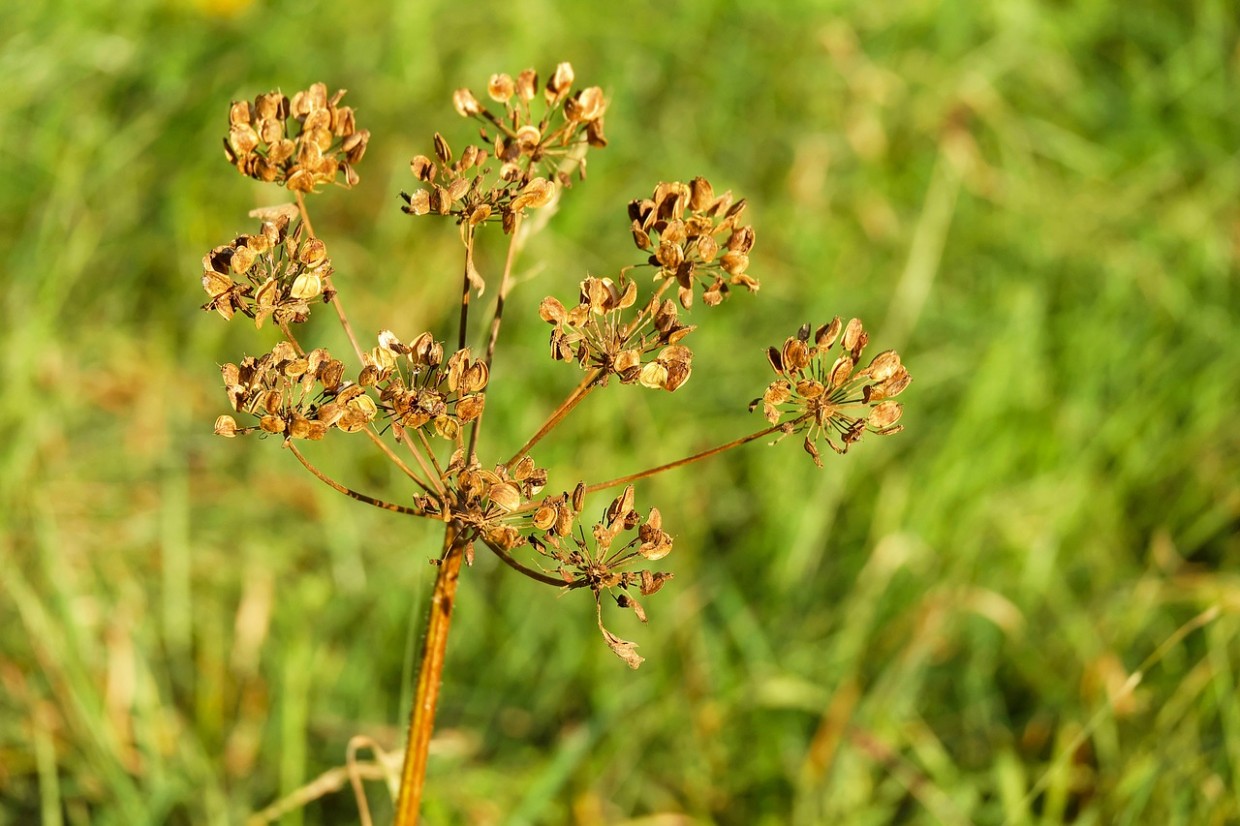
[[1036, 202]]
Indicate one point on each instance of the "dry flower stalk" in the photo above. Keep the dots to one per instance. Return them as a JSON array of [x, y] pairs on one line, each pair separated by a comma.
[[419, 397]]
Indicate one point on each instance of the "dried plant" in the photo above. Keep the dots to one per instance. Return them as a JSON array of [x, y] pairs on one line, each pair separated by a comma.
[[421, 401]]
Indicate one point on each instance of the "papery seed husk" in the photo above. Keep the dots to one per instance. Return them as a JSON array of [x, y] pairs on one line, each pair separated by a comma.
[[795, 355], [272, 424], [306, 286], [852, 334], [702, 194], [884, 415], [883, 366], [840, 371], [226, 426], [469, 408], [892, 386], [216, 284], [560, 80], [505, 496], [810, 389], [544, 518], [465, 103], [552, 311], [500, 88], [812, 450], [653, 375]]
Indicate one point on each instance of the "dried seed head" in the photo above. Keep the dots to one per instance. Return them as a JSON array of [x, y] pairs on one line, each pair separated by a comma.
[[819, 391]]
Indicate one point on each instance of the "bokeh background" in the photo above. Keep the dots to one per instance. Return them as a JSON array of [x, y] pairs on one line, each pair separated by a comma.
[[1021, 610]]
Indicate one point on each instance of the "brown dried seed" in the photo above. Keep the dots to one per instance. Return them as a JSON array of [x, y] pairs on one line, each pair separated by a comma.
[[442, 150], [313, 252], [272, 424], [527, 85], [884, 415], [701, 194], [812, 450], [840, 371], [653, 375], [423, 168], [883, 366], [734, 262], [707, 248], [591, 103], [544, 517], [796, 355], [505, 496], [528, 137], [501, 87], [550, 310], [226, 426], [852, 335], [215, 283], [458, 188], [242, 139], [537, 193], [560, 81], [467, 106], [810, 389]]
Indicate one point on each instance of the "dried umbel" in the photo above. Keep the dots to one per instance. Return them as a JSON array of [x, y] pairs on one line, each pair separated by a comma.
[[600, 561], [299, 397], [642, 348], [694, 238], [299, 143], [417, 386], [819, 391], [528, 150], [270, 274]]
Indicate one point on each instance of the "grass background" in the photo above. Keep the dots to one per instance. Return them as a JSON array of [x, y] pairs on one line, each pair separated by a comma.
[[1036, 202]]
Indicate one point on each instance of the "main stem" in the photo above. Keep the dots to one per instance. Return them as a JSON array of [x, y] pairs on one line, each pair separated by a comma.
[[430, 675]]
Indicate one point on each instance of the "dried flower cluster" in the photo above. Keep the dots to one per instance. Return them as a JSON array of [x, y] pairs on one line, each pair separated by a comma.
[[596, 335], [286, 391], [280, 272], [520, 166], [417, 386], [300, 143], [681, 226], [824, 396]]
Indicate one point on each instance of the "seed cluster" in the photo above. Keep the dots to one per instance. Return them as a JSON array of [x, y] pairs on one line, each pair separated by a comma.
[[645, 349], [300, 143], [680, 226], [521, 165], [824, 396], [271, 274], [300, 397]]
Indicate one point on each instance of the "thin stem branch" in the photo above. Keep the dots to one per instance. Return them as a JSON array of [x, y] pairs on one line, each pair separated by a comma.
[[288, 334], [505, 285], [396, 460], [344, 319], [430, 675], [785, 427], [538, 576], [426, 445], [574, 398], [462, 335], [349, 492]]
